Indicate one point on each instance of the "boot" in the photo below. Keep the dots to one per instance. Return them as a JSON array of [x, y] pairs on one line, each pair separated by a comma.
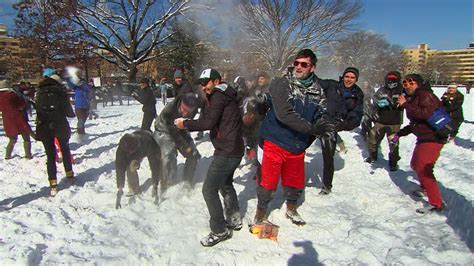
[[10, 146], [27, 147], [260, 216], [293, 215], [53, 183], [70, 177]]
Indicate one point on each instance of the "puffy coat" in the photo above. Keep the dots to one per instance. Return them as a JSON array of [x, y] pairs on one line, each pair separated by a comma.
[[419, 108], [11, 106], [292, 110]]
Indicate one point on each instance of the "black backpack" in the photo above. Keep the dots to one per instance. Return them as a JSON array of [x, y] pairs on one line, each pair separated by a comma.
[[50, 102]]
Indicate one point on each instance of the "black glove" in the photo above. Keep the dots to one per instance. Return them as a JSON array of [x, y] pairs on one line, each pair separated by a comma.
[[323, 127]]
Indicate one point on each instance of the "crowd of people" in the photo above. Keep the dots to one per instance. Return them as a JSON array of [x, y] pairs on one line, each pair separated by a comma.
[[270, 123]]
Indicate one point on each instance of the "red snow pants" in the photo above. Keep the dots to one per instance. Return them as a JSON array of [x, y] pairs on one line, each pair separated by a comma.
[[422, 161], [278, 162]]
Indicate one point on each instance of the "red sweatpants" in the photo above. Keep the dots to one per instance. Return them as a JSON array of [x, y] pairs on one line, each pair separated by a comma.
[[422, 161], [278, 162]]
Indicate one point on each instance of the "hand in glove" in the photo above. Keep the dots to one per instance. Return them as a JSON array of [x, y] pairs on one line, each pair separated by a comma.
[[394, 138], [322, 127], [383, 103]]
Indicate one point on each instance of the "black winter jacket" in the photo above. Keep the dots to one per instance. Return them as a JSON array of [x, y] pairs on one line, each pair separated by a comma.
[[344, 105], [164, 122], [453, 105], [147, 98], [391, 114], [147, 147], [222, 117], [50, 125]]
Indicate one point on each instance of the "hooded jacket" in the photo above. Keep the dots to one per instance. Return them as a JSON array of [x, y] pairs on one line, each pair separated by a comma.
[[222, 117], [11, 106]]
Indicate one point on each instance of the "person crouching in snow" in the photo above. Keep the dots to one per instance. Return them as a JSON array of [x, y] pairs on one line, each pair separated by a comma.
[[419, 105], [130, 152], [222, 117], [14, 121]]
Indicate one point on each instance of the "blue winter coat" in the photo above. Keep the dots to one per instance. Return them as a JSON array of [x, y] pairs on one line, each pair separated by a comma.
[[293, 109], [81, 94]]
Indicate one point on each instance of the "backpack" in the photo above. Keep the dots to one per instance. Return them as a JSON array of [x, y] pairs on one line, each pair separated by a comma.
[[49, 101], [440, 122]]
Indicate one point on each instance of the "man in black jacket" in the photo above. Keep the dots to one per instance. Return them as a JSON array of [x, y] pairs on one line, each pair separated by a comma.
[[452, 101], [222, 117], [345, 105], [130, 152], [387, 117], [170, 138], [146, 97]]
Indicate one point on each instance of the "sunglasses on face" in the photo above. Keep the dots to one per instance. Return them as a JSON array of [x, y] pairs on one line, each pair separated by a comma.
[[303, 64], [408, 81]]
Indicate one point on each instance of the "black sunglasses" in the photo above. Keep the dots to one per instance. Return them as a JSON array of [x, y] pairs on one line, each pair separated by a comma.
[[303, 64]]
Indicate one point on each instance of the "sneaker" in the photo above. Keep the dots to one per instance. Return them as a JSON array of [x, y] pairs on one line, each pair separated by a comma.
[[324, 191], [236, 225], [212, 238], [293, 215], [370, 160], [420, 193], [53, 192], [429, 209]]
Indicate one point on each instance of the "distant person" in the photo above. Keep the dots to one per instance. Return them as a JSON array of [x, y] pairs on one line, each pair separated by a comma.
[[163, 90], [452, 101], [14, 122], [146, 97], [53, 107], [81, 97], [181, 85], [419, 104], [92, 101]]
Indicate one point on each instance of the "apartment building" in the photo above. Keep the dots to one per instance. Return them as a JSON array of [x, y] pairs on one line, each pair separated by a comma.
[[441, 66]]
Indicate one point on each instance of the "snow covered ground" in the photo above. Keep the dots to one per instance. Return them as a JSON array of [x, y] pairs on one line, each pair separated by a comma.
[[368, 219]]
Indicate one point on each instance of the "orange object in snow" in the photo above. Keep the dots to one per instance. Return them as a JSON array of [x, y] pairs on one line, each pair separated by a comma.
[[265, 230]]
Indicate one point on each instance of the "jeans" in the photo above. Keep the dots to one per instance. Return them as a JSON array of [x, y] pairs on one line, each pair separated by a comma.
[[220, 178]]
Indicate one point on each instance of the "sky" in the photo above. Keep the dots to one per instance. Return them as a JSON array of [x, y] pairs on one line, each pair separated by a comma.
[[443, 24]]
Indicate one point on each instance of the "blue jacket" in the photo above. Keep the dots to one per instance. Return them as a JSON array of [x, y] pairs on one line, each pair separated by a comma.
[[81, 94], [292, 110]]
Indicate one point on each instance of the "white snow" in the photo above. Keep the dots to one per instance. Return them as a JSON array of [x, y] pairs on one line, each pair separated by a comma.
[[368, 219]]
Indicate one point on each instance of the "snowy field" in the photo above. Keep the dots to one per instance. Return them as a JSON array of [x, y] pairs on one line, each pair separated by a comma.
[[368, 219]]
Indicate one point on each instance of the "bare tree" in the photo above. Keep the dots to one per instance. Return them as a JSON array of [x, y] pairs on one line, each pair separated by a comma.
[[369, 52], [279, 28], [129, 30]]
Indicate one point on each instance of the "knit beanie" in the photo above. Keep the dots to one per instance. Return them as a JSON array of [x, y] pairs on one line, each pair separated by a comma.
[[178, 74], [352, 70]]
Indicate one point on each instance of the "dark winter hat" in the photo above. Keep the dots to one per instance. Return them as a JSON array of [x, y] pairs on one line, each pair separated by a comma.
[[145, 81], [415, 77], [208, 74], [263, 74], [352, 70], [178, 74]]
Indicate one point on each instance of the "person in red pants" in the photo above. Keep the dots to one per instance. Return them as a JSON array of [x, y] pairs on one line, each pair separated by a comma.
[[419, 104]]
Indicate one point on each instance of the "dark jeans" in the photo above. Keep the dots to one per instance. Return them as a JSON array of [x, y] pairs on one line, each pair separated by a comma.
[[147, 120], [220, 178], [328, 146], [51, 157]]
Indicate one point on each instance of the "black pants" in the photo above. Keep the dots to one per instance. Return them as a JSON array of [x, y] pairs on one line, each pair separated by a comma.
[[147, 120], [50, 149], [328, 146], [220, 178]]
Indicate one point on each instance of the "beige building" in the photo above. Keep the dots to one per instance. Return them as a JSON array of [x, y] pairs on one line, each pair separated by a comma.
[[441, 66]]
